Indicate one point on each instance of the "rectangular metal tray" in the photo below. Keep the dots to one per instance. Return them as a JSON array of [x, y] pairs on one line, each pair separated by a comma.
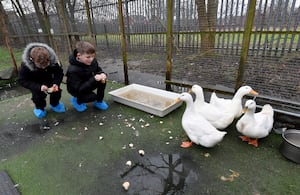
[[152, 100]]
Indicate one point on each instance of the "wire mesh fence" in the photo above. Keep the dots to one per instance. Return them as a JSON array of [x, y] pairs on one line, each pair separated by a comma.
[[272, 63]]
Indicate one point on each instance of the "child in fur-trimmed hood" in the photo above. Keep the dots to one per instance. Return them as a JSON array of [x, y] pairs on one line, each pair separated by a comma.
[[42, 74]]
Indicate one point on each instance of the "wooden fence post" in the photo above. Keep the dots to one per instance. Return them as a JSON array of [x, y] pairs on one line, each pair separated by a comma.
[[123, 42], [169, 43], [246, 42], [66, 29], [47, 24], [88, 14], [7, 42]]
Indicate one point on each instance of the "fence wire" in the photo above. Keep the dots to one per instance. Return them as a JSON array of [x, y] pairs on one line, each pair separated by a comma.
[[272, 65]]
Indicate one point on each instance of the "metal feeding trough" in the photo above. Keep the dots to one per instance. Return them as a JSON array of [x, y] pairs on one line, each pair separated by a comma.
[[290, 146], [152, 100]]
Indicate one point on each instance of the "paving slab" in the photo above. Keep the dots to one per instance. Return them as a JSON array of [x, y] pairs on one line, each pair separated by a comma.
[[7, 187]]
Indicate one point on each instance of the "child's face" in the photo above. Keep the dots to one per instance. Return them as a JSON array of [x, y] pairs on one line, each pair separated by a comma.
[[85, 58], [44, 64]]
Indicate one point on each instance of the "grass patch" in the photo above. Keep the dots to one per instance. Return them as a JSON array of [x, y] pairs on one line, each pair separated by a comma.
[[5, 58]]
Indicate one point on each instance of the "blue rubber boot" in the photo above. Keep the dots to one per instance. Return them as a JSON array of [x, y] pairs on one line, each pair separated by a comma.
[[101, 105], [79, 107], [39, 113], [59, 108]]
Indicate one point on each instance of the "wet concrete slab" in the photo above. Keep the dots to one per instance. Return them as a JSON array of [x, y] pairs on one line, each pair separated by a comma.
[[7, 186]]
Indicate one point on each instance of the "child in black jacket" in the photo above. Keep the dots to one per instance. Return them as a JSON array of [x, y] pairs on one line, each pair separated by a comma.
[[84, 75], [41, 73]]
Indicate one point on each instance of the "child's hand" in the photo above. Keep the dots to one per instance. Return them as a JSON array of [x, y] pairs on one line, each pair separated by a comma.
[[44, 88], [100, 77], [52, 89], [55, 87]]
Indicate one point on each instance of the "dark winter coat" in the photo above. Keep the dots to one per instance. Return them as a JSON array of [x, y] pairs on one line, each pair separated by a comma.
[[80, 77], [32, 77]]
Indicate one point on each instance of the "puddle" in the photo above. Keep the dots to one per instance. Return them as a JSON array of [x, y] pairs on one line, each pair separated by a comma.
[[15, 138], [41, 127], [164, 174]]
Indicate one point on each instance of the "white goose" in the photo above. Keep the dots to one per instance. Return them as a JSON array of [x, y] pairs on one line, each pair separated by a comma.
[[233, 105], [255, 125], [197, 128], [216, 116]]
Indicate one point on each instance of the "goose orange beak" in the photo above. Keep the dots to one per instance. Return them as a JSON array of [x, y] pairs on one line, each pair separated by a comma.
[[244, 110], [252, 92], [178, 100]]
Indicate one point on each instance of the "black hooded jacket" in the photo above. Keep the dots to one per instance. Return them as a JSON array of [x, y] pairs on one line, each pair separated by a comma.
[[33, 78], [80, 77]]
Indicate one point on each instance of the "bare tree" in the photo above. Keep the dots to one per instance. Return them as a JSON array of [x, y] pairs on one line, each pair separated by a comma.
[[39, 14], [207, 16], [70, 4], [154, 16], [16, 4], [8, 24]]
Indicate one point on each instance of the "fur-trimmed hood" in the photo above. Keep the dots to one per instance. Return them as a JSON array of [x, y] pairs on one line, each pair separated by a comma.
[[26, 55]]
